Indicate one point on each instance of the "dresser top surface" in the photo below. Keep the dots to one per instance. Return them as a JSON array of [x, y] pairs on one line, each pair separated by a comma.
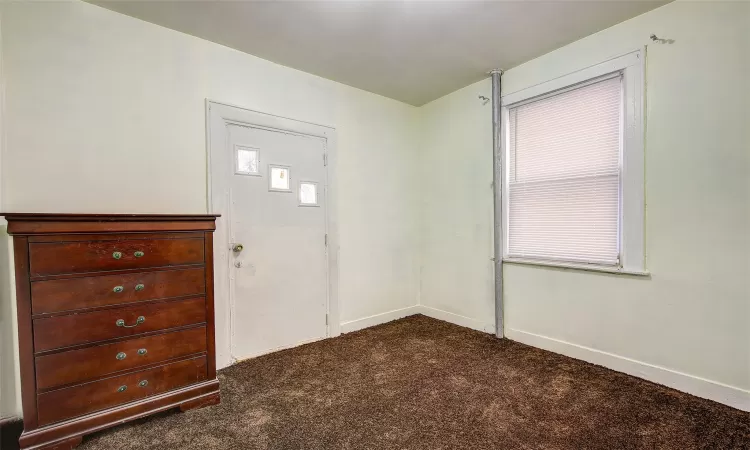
[[58, 223], [104, 217]]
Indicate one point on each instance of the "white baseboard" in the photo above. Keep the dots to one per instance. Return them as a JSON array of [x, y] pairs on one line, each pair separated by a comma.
[[377, 319], [456, 319], [234, 360], [700, 387]]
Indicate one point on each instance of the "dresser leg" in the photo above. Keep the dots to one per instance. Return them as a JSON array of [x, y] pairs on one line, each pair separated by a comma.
[[65, 444], [213, 399]]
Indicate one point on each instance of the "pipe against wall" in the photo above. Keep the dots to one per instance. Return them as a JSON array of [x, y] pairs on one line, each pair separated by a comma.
[[497, 183]]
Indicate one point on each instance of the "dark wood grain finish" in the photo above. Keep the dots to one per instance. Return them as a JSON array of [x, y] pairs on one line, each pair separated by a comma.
[[96, 291], [25, 331], [111, 237], [68, 310], [201, 402], [95, 256], [210, 330], [65, 444], [85, 398], [76, 366], [94, 422], [42, 223], [68, 227], [64, 331]]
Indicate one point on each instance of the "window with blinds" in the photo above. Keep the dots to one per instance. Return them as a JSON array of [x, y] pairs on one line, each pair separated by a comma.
[[564, 153]]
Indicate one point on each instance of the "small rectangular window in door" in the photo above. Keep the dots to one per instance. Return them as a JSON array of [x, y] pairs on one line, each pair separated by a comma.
[[246, 160], [308, 193], [279, 178]]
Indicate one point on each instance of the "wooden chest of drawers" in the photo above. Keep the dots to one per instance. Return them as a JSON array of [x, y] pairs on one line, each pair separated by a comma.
[[115, 320]]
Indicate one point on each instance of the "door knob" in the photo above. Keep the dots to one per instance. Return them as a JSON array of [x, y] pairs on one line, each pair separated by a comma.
[[237, 248]]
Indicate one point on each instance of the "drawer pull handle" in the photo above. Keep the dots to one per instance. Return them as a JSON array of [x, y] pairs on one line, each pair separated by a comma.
[[140, 287], [117, 289], [138, 321], [138, 254], [142, 351], [143, 383], [122, 388], [121, 356], [117, 255]]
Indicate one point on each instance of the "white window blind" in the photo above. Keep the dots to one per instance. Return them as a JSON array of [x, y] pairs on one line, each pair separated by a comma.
[[564, 175]]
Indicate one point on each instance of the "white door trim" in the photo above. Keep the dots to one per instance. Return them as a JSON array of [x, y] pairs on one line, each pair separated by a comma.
[[220, 114]]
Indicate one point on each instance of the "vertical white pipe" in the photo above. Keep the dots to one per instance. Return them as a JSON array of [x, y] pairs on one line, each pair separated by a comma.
[[497, 184]]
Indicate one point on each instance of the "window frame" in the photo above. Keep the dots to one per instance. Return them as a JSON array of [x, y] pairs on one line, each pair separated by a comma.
[[631, 220]]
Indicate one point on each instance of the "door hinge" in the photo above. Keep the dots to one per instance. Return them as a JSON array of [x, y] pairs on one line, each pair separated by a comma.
[[325, 240], [326, 319], [325, 159]]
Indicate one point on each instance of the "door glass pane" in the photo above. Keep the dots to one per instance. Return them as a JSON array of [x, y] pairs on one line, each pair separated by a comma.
[[247, 160], [279, 178], [308, 193]]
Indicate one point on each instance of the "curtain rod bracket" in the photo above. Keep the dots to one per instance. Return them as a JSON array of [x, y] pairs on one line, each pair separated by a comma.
[[659, 40]]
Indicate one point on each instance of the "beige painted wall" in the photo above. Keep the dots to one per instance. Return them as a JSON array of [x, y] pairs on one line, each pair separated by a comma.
[[9, 382], [692, 315], [457, 273], [105, 113]]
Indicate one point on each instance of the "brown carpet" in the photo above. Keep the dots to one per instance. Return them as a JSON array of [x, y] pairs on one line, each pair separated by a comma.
[[419, 383]]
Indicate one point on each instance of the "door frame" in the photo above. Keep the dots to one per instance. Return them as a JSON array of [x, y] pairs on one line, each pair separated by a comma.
[[216, 141]]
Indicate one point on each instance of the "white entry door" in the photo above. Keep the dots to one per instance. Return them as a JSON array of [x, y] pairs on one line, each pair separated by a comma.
[[277, 228]]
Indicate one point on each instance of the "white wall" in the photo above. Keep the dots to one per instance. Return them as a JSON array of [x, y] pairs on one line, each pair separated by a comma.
[[688, 324], [9, 386], [457, 280], [105, 113]]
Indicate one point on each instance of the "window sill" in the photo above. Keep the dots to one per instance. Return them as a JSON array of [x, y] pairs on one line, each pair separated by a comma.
[[584, 267]]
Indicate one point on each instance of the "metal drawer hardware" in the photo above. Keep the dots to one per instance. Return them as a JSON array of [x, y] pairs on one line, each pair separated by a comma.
[[143, 383], [122, 388], [117, 289], [139, 287], [117, 255], [138, 321], [138, 254], [142, 351], [121, 356]]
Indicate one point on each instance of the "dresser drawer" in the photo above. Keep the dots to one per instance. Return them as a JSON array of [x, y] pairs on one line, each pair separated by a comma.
[[81, 328], [53, 258], [85, 398], [76, 366], [88, 292]]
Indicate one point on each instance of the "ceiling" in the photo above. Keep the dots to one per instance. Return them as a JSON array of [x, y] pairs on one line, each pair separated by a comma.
[[412, 51]]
